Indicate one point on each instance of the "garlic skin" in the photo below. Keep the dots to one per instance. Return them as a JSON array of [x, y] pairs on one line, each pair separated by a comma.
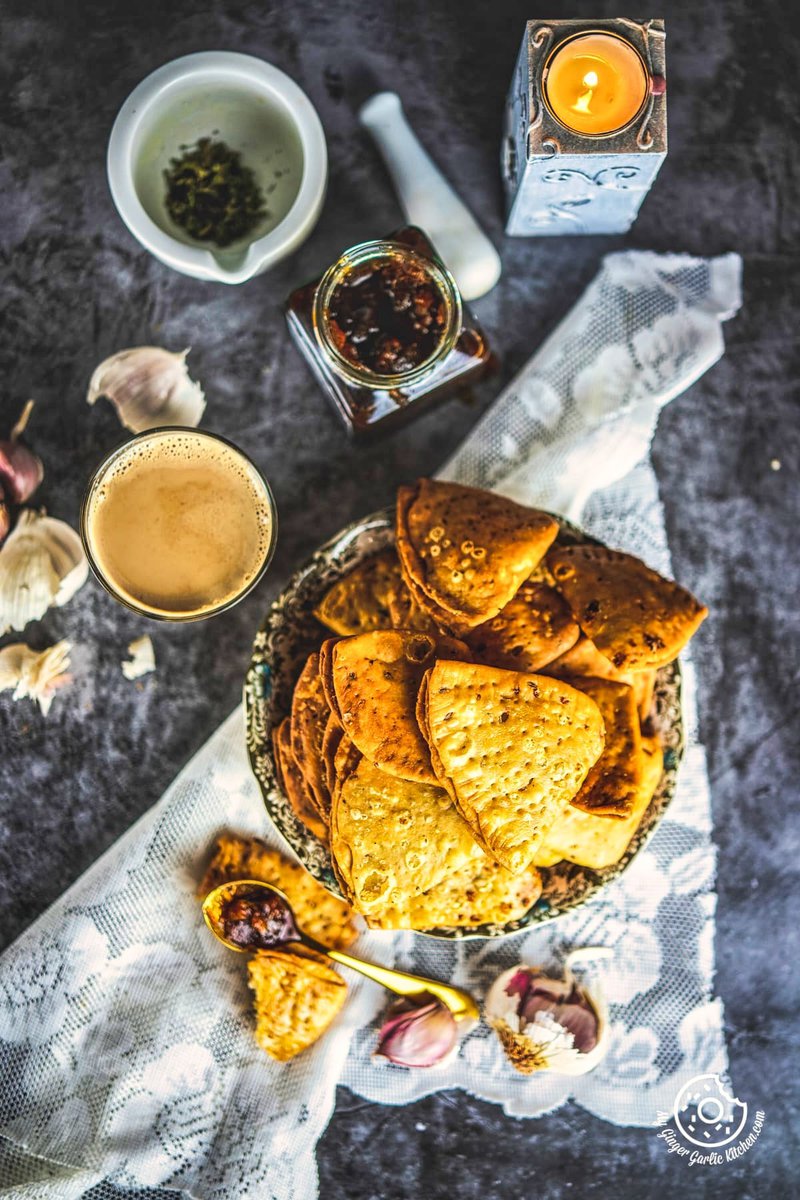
[[21, 471], [142, 661], [547, 1024], [149, 387], [418, 1034], [42, 563], [35, 675]]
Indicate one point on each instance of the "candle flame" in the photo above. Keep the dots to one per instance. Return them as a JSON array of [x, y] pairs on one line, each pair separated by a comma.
[[590, 82]]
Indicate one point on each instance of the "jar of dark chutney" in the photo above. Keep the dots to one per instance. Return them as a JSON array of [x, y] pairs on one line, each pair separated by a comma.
[[385, 332]]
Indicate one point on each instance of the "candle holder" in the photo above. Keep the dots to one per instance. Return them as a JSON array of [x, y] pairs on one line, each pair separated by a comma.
[[562, 181]]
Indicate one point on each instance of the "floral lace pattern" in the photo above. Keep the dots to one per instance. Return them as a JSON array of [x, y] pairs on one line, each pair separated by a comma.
[[126, 1043]]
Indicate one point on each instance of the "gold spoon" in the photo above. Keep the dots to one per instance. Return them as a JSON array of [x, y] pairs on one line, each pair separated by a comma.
[[281, 928]]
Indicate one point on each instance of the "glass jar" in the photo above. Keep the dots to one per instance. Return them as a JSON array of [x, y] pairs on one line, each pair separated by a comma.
[[385, 332]]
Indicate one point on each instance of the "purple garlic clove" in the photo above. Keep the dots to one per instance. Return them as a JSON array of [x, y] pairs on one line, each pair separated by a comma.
[[418, 1034], [21, 471]]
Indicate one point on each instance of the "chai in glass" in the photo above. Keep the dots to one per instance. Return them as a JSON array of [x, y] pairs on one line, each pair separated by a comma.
[[178, 524]]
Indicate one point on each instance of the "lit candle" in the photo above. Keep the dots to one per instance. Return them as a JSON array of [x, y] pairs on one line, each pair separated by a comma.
[[595, 83]]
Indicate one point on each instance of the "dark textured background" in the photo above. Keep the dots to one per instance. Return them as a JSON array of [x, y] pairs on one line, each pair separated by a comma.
[[76, 287]]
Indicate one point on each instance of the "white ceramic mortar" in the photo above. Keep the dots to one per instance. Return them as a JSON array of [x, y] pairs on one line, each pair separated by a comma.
[[257, 110]]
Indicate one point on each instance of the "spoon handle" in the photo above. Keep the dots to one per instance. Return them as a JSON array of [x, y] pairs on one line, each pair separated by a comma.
[[461, 1004]]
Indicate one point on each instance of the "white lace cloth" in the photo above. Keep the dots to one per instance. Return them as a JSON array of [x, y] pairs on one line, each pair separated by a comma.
[[126, 1047]]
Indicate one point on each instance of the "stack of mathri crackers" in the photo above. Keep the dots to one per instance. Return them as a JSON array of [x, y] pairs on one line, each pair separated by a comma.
[[481, 712], [296, 992]]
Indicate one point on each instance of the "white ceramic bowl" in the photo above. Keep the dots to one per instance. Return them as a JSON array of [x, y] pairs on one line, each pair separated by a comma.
[[257, 110]]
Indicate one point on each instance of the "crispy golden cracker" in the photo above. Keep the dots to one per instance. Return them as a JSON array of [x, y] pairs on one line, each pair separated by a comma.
[[512, 748], [634, 616], [597, 842], [612, 785], [533, 629], [376, 677], [310, 713], [345, 761], [406, 613], [644, 686], [296, 997], [330, 744], [481, 893], [545, 857], [585, 659], [464, 552], [325, 917], [326, 676], [392, 838], [359, 601], [293, 783]]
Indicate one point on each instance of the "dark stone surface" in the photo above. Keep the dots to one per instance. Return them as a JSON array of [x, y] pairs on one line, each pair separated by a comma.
[[75, 287]]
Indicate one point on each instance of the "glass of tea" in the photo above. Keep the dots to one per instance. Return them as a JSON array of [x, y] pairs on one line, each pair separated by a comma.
[[178, 524]]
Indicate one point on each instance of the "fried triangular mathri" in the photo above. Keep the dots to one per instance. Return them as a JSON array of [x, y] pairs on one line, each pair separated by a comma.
[[464, 552], [296, 996], [293, 783], [633, 615], [597, 842], [481, 893], [310, 713], [612, 785], [533, 629], [359, 601], [511, 748], [392, 839], [376, 677]]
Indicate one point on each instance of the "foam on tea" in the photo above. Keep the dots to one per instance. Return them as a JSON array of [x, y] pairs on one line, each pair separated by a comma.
[[178, 523]]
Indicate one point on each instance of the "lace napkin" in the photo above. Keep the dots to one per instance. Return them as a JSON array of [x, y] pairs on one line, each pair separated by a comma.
[[126, 1047]]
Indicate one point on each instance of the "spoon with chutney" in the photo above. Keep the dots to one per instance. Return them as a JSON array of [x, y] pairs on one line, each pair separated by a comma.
[[247, 915]]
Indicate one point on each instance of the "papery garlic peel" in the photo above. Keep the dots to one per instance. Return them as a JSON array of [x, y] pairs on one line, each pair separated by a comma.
[[545, 1023], [149, 387], [42, 563], [36, 675], [142, 660]]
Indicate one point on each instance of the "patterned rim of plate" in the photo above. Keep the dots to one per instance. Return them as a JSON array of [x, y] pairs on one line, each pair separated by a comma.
[[291, 631]]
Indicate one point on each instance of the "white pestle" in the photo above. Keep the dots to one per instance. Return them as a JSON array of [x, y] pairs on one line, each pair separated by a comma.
[[428, 199]]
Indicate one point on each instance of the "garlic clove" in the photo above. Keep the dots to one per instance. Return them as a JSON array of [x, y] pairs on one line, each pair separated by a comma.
[[418, 1034], [149, 387], [41, 563], [33, 674], [547, 1024], [21, 471], [142, 661]]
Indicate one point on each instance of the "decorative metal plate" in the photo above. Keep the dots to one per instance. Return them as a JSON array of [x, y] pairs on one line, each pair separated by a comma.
[[291, 631]]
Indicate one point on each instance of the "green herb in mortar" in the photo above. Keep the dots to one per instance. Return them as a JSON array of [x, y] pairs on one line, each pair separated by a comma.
[[212, 195]]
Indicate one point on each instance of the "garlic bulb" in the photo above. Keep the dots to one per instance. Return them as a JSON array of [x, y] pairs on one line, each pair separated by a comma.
[[418, 1034], [545, 1023], [142, 658], [149, 387], [21, 471], [41, 563], [37, 675]]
